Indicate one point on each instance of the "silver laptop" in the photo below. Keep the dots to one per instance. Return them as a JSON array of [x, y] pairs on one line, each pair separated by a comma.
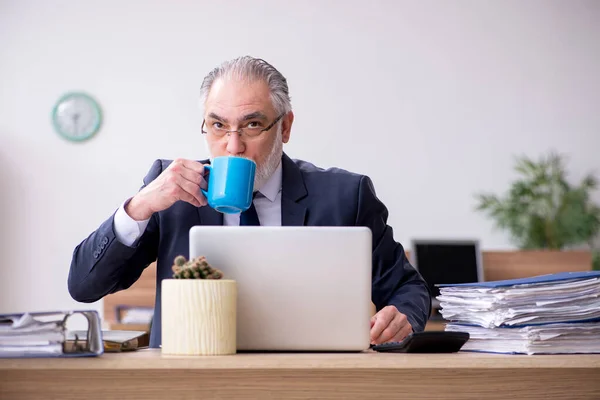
[[299, 288]]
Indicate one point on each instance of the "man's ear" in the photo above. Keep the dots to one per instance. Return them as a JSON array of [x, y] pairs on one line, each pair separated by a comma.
[[286, 126]]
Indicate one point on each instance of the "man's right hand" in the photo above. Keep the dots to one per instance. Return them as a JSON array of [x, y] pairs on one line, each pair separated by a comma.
[[181, 180]]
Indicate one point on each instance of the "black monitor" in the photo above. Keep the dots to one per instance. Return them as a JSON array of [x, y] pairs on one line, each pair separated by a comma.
[[447, 261]]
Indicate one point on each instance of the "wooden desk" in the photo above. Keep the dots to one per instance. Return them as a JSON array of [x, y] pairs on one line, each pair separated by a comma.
[[147, 374]]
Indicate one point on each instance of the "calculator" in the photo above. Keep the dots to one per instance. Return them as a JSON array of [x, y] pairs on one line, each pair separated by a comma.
[[426, 342]]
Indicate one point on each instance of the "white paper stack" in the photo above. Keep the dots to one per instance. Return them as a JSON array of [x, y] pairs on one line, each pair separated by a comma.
[[44, 334], [552, 314], [24, 333]]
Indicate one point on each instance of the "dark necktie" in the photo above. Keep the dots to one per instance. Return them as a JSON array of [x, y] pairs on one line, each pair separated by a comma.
[[249, 217]]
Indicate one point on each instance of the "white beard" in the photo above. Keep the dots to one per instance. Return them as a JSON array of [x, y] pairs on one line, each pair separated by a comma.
[[266, 168]]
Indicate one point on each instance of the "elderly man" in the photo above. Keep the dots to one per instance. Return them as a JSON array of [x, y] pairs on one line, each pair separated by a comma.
[[247, 113]]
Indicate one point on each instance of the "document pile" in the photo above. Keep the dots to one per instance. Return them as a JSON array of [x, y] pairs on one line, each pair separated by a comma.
[[45, 334], [549, 314]]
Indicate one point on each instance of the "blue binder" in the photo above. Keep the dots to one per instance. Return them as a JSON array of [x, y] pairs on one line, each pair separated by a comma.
[[550, 278]]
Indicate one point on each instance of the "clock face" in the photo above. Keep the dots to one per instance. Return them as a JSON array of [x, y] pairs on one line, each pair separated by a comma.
[[76, 116]]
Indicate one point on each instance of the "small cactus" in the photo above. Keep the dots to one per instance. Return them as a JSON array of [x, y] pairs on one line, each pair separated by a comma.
[[198, 268]]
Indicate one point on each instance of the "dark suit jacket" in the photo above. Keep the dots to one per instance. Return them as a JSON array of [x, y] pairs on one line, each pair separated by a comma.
[[310, 196]]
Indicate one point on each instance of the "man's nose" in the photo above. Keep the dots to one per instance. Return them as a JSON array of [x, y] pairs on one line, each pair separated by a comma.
[[235, 145]]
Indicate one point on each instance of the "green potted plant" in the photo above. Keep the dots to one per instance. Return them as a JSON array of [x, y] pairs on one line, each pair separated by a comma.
[[542, 210], [198, 310]]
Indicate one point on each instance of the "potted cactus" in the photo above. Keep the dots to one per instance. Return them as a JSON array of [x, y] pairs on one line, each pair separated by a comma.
[[198, 268], [198, 310]]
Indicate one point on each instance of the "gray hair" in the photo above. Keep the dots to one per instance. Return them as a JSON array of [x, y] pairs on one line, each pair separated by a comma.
[[252, 69]]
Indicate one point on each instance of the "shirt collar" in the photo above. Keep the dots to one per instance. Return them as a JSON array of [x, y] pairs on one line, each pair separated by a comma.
[[272, 187]]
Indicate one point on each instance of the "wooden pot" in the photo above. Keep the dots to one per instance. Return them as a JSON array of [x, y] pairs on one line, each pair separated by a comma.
[[199, 316]]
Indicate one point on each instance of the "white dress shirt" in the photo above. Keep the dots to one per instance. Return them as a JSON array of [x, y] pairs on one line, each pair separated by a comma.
[[267, 203]]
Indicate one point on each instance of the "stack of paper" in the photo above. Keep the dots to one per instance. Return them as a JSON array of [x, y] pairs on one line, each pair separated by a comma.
[[24, 334], [548, 339], [557, 313], [44, 334]]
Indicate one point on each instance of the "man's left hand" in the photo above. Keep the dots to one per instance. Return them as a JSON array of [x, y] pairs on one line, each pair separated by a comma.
[[389, 325]]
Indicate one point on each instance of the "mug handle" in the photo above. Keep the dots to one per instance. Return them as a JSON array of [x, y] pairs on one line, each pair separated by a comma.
[[209, 169]]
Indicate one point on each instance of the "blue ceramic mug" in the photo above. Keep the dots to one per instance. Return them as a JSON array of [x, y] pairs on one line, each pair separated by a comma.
[[230, 184]]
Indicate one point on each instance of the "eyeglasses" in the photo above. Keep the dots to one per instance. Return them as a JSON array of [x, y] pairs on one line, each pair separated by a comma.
[[251, 130]]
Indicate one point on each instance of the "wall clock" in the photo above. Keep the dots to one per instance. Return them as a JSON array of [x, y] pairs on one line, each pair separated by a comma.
[[76, 116]]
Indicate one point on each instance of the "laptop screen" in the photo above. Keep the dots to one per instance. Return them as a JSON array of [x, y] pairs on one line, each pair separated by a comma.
[[443, 262]]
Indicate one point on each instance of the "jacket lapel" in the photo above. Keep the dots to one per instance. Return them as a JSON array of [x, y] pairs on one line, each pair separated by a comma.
[[293, 189]]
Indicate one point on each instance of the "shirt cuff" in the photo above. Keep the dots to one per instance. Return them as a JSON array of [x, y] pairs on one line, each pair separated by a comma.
[[128, 230]]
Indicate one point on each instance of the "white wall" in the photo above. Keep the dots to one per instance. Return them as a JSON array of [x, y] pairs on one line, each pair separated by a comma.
[[431, 99]]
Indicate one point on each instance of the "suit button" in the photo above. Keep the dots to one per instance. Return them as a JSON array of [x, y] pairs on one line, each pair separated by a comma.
[[105, 241], [96, 254], [102, 246]]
